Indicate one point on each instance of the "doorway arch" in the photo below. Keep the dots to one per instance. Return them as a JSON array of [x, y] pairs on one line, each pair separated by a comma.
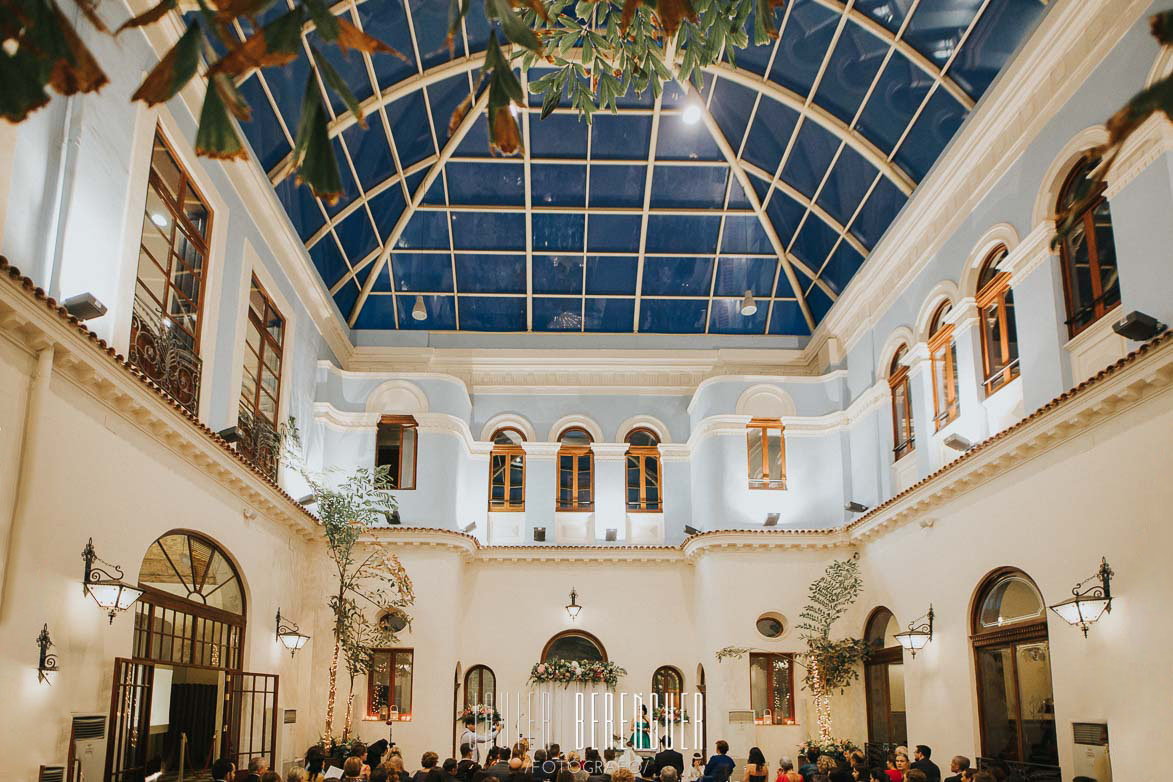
[[884, 686], [574, 645]]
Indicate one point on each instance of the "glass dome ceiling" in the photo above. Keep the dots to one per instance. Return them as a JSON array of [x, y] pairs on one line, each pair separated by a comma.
[[640, 222]]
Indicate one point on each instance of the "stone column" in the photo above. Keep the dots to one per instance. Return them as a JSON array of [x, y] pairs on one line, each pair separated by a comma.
[[541, 487], [610, 486], [967, 336], [920, 384]]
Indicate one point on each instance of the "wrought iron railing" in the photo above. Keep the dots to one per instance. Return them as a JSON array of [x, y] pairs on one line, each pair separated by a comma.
[[1022, 772], [156, 350], [258, 441]]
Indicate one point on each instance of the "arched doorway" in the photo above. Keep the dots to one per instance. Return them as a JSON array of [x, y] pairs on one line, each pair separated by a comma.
[[884, 687], [1012, 660], [704, 709], [455, 708], [574, 645]]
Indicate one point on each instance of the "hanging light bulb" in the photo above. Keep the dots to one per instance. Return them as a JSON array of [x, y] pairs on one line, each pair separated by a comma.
[[748, 305], [692, 113], [419, 311]]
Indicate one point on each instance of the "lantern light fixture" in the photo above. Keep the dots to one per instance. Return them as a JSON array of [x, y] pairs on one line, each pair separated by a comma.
[[290, 634], [692, 113], [748, 305], [419, 311], [573, 608], [1090, 599], [918, 634], [109, 591], [47, 664]]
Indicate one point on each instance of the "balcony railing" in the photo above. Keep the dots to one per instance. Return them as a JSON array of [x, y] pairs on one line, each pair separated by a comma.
[[157, 352], [258, 441]]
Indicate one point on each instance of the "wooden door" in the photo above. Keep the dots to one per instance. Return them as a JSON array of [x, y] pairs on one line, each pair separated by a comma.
[[250, 717], [130, 715]]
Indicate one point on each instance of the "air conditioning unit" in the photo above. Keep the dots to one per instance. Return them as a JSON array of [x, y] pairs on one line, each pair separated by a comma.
[[51, 774], [1090, 760], [741, 734], [87, 748]]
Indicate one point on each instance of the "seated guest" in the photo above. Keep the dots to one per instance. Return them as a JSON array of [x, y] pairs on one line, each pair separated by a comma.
[[315, 762], [806, 764], [647, 769], [554, 752], [669, 757], [296, 774], [466, 768], [668, 774], [591, 762], [542, 770], [756, 769], [427, 763], [902, 764], [499, 769], [256, 766], [610, 760], [449, 767], [696, 769], [786, 772], [958, 766], [840, 774], [622, 774], [270, 776], [352, 769], [223, 770], [878, 775], [720, 766], [395, 770], [823, 768], [380, 773], [915, 775], [921, 762]]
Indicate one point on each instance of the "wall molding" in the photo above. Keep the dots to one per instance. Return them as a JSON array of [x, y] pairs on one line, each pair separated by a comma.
[[1148, 144]]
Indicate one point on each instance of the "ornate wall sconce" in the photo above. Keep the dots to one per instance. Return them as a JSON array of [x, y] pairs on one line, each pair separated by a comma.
[[290, 634], [108, 590], [918, 634], [573, 607], [1090, 599], [47, 664]]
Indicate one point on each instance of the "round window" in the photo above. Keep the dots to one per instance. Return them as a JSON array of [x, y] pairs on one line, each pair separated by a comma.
[[392, 621], [771, 625]]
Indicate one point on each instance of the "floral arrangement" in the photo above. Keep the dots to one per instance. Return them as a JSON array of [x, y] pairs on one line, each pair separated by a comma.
[[584, 671], [480, 712], [666, 714], [335, 748], [836, 748]]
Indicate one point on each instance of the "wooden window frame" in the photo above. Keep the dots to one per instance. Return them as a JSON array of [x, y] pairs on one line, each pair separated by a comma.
[[178, 218], [403, 422], [993, 294], [775, 719], [575, 452], [642, 453], [762, 427], [573, 634], [391, 652], [898, 379], [1098, 306], [676, 702], [941, 352], [508, 451], [481, 670], [267, 343]]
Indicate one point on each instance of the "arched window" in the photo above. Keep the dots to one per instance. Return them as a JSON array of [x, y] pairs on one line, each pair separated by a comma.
[[766, 452], [576, 470], [667, 684], [943, 351], [884, 680], [644, 485], [480, 687], [1087, 254], [995, 302], [574, 645], [902, 435], [1013, 663], [507, 471]]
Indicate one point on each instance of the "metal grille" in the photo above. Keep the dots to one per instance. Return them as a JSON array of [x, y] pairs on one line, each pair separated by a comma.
[[169, 635], [258, 441], [90, 727], [51, 774], [250, 717], [1093, 733], [165, 359], [130, 711]]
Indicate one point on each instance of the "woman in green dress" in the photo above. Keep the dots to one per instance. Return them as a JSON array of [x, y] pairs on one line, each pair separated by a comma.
[[641, 737]]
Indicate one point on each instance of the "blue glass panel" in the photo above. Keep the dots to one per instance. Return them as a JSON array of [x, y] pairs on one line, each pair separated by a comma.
[[408, 118], [677, 276], [810, 157], [878, 212], [632, 100], [672, 97], [672, 316], [725, 318], [499, 184], [558, 232], [760, 186], [350, 67], [490, 273], [1003, 26], [805, 40], [849, 180], [287, 84], [737, 275], [440, 309], [853, 65], [263, 131], [936, 27], [772, 126], [435, 194], [497, 313], [328, 261], [386, 20], [558, 135], [783, 289], [476, 28], [476, 142], [814, 242], [378, 312], [682, 234], [843, 264], [356, 235], [488, 231], [784, 213], [615, 185], [744, 234], [370, 152], [819, 303], [681, 187], [609, 315], [558, 185], [415, 180], [620, 136], [557, 314], [679, 140], [737, 197], [897, 96], [557, 274], [930, 133], [421, 272], [730, 107], [889, 13], [614, 233], [349, 187], [756, 58], [787, 318], [444, 97], [301, 206], [386, 208], [426, 230], [611, 275], [382, 282], [430, 20], [345, 298]]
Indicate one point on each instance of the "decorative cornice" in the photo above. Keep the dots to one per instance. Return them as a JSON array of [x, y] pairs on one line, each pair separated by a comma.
[[345, 420], [540, 450], [1150, 142], [609, 451], [1032, 252]]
